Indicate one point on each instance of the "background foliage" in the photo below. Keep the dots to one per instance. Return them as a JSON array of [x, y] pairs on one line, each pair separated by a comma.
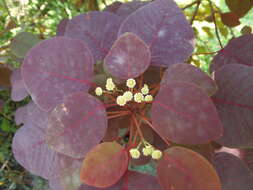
[[211, 19]]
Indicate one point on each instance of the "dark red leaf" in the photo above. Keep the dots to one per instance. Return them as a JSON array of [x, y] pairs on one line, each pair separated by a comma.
[[183, 169], [128, 58], [238, 51], [235, 104], [239, 7], [163, 26], [233, 173], [184, 114], [55, 68], [76, 125], [230, 19]]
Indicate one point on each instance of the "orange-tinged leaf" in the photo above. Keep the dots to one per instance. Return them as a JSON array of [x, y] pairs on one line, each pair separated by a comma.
[[230, 19], [239, 7], [5, 74], [104, 165], [183, 169]]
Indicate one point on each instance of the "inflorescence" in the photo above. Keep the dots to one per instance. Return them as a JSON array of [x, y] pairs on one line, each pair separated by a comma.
[[132, 95]]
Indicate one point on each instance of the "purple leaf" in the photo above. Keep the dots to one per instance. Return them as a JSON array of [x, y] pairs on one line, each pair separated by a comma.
[[184, 114], [127, 8], [233, 173], [20, 115], [62, 27], [70, 181], [18, 91], [235, 104], [128, 58], [188, 73], [76, 125], [97, 29], [33, 154], [55, 68], [238, 51], [163, 26]]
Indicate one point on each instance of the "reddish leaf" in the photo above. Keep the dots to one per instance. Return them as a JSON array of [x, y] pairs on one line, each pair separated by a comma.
[[183, 169], [235, 104], [113, 7], [5, 75], [128, 58], [163, 26], [97, 29], [76, 125], [62, 27], [127, 8], [184, 114], [239, 7], [104, 165], [230, 19], [238, 51], [188, 73], [18, 91], [55, 68], [233, 173], [247, 156]]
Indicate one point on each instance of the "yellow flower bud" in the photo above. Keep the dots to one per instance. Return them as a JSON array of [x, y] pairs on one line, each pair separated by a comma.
[[138, 97], [135, 153], [145, 89], [131, 83], [121, 100], [98, 91], [147, 150], [156, 154], [128, 95], [148, 98]]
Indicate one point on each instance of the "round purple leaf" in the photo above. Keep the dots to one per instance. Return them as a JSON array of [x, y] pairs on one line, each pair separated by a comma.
[[235, 104], [233, 173], [77, 125], [55, 68], [128, 58], [238, 51], [34, 155], [18, 91], [97, 29], [183, 72], [163, 26], [183, 113]]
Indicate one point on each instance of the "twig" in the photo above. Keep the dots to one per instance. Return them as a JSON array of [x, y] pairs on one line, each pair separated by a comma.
[[215, 24], [190, 5], [195, 12]]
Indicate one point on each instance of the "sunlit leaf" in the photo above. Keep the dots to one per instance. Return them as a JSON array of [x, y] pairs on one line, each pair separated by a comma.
[[104, 165], [128, 58], [183, 169], [76, 125]]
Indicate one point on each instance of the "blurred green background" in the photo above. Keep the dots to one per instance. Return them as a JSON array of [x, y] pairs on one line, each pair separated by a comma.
[[40, 17]]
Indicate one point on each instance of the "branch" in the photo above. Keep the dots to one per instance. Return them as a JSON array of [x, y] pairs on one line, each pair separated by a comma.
[[195, 12], [215, 24], [190, 5]]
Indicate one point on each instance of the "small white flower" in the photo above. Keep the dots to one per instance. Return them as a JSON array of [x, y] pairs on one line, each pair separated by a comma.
[[135, 153], [148, 98], [128, 95], [131, 83], [138, 97], [121, 100], [156, 154], [98, 91], [145, 89]]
